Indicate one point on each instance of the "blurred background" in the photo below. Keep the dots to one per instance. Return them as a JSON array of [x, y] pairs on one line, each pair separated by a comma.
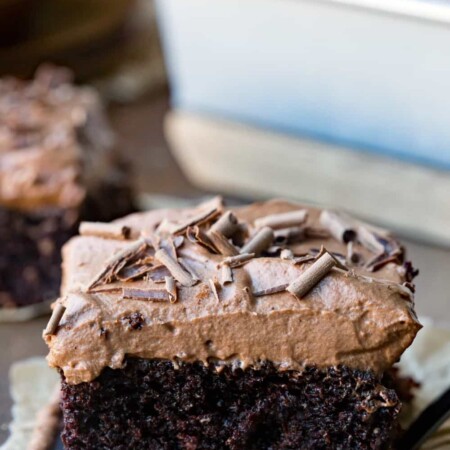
[[341, 103]]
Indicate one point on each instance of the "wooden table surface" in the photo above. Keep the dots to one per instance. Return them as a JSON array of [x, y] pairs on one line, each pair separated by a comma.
[[139, 128]]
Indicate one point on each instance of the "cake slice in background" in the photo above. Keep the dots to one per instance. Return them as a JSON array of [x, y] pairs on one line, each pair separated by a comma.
[[266, 327], [58, 165]]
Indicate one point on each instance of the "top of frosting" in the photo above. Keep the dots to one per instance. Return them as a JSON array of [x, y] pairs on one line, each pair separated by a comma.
[[47, 127], [170, 291]]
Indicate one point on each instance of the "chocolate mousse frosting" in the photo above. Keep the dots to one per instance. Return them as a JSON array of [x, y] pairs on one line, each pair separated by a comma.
[[54, 141], [273, 281]]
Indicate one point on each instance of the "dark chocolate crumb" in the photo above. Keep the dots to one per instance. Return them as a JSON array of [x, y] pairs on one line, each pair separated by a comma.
[[410, 271], [134, 321]]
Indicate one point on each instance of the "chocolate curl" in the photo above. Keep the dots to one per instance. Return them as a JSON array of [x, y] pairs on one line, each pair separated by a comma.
[[304, 259], [171, 289], [226, 225], [313, 275], [261, 241], [270, 291], [282, 220], [56, 317], [226, 274], [238, 260], [174, 268], [104, 230], [340, 228], [222, 244], [352, 256], [213, 287], [197, 219], [369, 240], [196, 235], [114, 264], [290, 235]]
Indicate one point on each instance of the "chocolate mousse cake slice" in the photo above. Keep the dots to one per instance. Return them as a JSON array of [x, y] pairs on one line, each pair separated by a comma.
[[58, 165], [270, 326]]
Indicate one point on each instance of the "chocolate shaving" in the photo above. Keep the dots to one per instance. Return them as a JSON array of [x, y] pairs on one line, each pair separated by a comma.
[[168, 245], [55, 318], [381, 263], [226, 225], [146, 259], [171, 289], [105, 230], [109, 288], [289, 235], [174, 268], [178, 241], [274, 250], [304, 259], [370, 241], [158, 274], [213, 287], [261, 241], [241, 234], [197, 219], [226, 274], [133, 272], [282, 220], [269, 291], [340, 228], [238, 260], [186, 266], [117, 262], [292, 235], [196, 235], [352, 256], [223, 245], [379, 257], [313, 275], [316, 233], [156, 295], [339, 257]]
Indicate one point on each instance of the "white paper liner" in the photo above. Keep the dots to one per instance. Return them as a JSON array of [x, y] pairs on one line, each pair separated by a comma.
[[427, 361], [32, 384]]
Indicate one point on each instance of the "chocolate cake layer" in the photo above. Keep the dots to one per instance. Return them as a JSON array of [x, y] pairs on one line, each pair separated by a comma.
[[30, 259], [31, 242], [151, 405]]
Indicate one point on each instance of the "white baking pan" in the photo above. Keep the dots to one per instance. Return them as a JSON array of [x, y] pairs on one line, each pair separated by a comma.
[[366, 74]]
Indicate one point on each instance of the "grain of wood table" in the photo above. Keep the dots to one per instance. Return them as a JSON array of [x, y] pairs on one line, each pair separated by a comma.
[[139, 128]]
